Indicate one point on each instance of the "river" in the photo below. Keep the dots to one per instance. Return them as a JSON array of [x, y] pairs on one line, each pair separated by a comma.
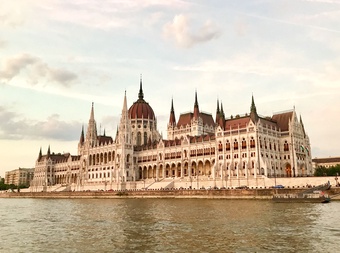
[[167, 225]]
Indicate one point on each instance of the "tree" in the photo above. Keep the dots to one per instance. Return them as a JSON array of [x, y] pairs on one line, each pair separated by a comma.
[[323, 171]]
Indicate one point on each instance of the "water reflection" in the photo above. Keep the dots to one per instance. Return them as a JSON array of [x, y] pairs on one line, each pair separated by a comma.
[[164, 225]]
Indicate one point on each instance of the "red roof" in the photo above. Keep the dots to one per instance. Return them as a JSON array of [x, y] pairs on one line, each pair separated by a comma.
[[282, 120], [185, 119], [104, 139], [237, 123], [141, 109]]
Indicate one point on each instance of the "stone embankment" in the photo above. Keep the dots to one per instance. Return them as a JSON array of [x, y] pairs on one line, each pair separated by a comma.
[[166, 193]]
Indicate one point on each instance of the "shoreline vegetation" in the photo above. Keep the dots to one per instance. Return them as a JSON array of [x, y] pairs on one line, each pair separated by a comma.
[[258, 194]]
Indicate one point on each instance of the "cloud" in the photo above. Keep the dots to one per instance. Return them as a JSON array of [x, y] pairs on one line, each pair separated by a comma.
[[179, 31], [15, 127], [36, 70], [104, 15], [3, 43], [13, 13]]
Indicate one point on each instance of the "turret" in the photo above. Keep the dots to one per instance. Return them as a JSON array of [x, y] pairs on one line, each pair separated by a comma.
[[82, 138], [91, 135], [196, 109], [253, 113], [40, 155], [217, 113], [172, 119], [222, 117]]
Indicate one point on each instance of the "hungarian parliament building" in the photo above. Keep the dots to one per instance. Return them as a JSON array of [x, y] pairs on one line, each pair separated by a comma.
[[198, 149]]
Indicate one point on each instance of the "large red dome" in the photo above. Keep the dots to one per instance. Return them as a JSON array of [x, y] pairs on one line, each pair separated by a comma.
[[141, 109]]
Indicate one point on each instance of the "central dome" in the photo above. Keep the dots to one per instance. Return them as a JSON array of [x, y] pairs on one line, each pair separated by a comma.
[[141, 109]]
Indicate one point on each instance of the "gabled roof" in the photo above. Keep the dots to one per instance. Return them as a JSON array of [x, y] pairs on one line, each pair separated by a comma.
[[237, 123], [282, 120], [104, 139], [185, 119]]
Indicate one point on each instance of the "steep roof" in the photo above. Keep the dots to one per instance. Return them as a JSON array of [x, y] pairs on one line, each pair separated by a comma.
[[104, 139], [282, 120], [237, 123], [185, 119]]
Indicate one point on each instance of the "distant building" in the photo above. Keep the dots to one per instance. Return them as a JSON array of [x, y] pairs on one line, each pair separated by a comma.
[[198, 147], [326, 162], [21, 176]]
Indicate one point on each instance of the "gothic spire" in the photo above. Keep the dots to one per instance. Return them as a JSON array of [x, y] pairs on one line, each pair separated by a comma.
[[303, 127], [91, 134], [196, 109], [172, 119], [82, 139], [140, 94], [253, 112], [40, 154], [217, 112], [124, 125], [48, 151]]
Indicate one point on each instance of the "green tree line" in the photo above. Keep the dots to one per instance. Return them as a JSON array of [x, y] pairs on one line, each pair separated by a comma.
[[4, 186], [331, 171]]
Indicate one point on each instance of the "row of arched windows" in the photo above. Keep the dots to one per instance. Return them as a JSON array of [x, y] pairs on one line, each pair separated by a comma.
[[102, 158]]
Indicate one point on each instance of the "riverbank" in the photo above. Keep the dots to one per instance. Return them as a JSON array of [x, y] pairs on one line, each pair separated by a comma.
[[166, 193]]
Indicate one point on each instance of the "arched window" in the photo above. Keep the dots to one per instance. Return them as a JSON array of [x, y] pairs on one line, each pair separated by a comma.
[[235, 145], [227, 146], [139, 139], [145, 138], [220, 146], [285, 146], [252, 142], [244, 144]]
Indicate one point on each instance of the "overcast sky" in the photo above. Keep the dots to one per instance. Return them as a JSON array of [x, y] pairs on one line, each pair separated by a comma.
[[57, 57]]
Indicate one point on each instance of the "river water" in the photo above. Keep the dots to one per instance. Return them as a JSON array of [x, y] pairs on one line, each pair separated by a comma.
[[167, 225]]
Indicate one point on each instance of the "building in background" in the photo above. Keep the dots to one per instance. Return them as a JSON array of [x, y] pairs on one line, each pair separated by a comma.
[[326, 162], [198, 148], [19, 177]]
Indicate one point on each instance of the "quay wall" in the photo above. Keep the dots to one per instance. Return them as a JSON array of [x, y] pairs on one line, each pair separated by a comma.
[[167, 193]]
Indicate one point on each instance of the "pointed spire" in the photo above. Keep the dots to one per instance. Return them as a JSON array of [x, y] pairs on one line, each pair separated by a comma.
[[125, 102], [221, 117], [217, 113], [140, 94], [196, 102], [104, 132], [117, 132], [48, 151], [196, 109], [40, 154], [82, 138], [92, 112], [303, 127], [222, 112], [172, 119], [91, 134], [253, 112]]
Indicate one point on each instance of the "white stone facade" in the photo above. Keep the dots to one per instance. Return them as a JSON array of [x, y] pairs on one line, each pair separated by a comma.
[[198, 149]]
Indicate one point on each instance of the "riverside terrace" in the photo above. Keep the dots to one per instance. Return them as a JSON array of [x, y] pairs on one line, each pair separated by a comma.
[[193, 183], [259, 194]]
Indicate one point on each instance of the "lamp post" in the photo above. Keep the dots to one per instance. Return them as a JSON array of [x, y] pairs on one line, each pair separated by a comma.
[[336, 179]]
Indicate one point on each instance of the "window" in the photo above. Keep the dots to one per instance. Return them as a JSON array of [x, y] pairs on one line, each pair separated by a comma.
[[235, 145], [145, 138], [139, 139], [227, 146], [252, 142], [285, 146], [244, 144]]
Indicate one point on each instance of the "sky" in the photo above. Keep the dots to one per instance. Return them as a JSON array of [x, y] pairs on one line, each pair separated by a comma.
[[57, 57]]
